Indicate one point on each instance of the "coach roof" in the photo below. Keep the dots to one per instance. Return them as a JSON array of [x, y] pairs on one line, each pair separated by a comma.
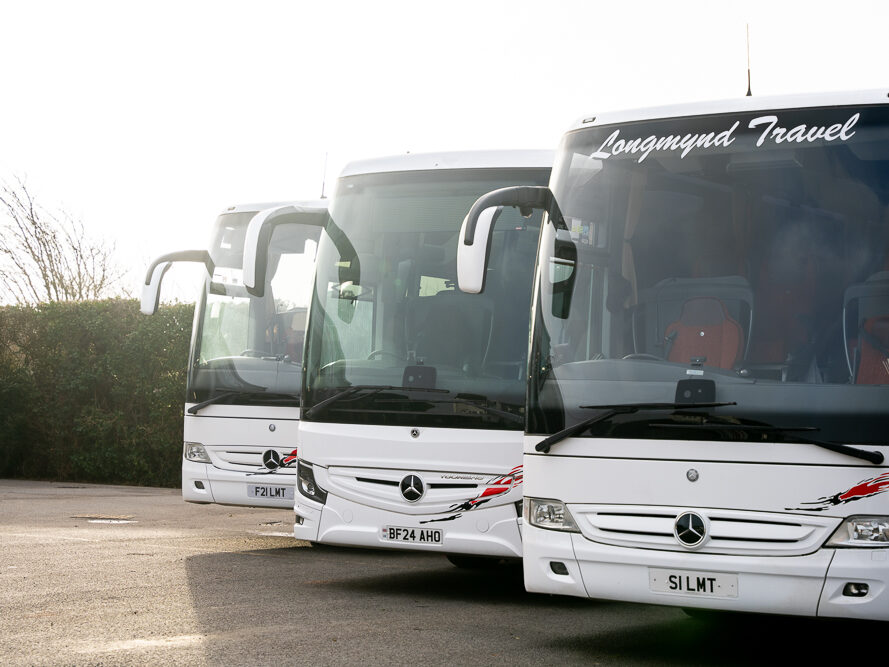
[[493, 159], [740, 104]]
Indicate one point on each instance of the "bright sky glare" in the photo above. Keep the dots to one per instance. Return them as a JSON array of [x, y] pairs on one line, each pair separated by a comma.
[[145, 120]]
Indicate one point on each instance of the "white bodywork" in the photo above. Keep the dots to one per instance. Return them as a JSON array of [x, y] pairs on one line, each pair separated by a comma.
[[739, 104], [616, 491], [503, 159], [769, 508], [472, 476], [362, 477], [236, 437]]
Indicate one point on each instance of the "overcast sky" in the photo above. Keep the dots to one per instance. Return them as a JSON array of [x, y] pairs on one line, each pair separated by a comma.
[[146, 119]]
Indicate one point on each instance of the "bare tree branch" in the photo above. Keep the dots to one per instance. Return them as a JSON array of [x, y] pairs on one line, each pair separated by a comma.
[[44, 257]]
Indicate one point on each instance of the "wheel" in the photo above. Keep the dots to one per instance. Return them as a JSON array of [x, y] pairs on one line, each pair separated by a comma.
[[644, 356], [467, 562], [723, 616], [700, 614], [253, 353]]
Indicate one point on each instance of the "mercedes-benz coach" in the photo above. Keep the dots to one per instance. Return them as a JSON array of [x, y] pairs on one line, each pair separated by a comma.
[[708, 400], [245, 365], [413, 395]]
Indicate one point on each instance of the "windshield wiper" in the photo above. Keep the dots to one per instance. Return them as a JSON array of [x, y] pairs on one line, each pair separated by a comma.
[[612, 411], [219, 398], [318, 408], [259, 397], [849, 450]]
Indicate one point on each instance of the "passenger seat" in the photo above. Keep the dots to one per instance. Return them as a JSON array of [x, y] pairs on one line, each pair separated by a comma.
[[867, 345]]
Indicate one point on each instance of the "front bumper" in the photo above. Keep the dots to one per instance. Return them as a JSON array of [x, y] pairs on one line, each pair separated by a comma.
[[486, 531], [205, 483], [810, 585]]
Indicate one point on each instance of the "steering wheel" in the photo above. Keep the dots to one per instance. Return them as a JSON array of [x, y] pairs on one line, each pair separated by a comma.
[[254, 353], [384, 352], [643, 355]]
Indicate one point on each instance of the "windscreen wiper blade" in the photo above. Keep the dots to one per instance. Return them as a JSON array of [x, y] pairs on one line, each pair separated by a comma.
[[612, 411], [219, 398], [865, 454], [318, 408]]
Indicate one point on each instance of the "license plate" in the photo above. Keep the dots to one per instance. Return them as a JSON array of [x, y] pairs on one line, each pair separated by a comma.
[[412, 535], [690, 582], [270, 492]]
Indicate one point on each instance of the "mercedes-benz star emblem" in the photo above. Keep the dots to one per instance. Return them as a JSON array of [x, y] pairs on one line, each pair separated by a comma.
[[412, 488], [690, 529], [271, 459]]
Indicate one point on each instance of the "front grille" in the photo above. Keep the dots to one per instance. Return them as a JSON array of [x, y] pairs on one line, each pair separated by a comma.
[[730, 531], [247, 460], [368, 480], [444, 491]]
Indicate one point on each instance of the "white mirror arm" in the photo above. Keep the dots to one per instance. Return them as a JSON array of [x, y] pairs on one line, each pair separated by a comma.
[[151, 286], [151, 291]]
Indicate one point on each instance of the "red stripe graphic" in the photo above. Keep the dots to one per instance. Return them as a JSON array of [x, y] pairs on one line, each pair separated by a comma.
[[868, 487], [864, 489]]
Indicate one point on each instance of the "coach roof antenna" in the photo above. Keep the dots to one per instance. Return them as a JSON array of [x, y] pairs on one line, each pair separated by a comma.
[[749, 93]]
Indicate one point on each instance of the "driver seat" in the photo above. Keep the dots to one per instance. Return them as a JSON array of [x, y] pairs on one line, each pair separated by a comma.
[[705, 330], [451, 329], [872, 360], [867, 344]]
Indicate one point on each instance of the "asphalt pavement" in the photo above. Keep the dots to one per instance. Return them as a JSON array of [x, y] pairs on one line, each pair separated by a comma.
[[111, 575]]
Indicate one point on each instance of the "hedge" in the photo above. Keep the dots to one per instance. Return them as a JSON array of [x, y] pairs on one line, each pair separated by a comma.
[[93, 392]]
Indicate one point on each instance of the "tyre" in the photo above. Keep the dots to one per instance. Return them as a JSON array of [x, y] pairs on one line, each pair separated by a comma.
[[467, 562]]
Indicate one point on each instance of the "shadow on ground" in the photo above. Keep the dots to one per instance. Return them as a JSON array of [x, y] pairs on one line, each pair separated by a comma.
[[312, 605]]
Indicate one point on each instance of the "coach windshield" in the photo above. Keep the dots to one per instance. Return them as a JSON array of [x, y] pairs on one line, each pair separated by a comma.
[[746, 252], [249, 349], [391, 340]]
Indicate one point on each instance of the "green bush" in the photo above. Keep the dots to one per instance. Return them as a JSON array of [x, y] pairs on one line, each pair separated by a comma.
[[93, 392]]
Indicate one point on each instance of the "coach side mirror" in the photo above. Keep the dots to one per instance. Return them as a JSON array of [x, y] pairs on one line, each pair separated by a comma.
[[259, 233], [151, 287], [474, 241], [472, 260], [562, 273]]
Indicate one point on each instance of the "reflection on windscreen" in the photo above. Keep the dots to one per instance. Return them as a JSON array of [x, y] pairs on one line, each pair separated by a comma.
[[751, 249], [247, 344], [390, 313]]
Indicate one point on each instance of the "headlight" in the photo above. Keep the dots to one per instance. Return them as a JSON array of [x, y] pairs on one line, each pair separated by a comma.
[[861, 531], [195, 452], [549, 514], [306, 483]]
